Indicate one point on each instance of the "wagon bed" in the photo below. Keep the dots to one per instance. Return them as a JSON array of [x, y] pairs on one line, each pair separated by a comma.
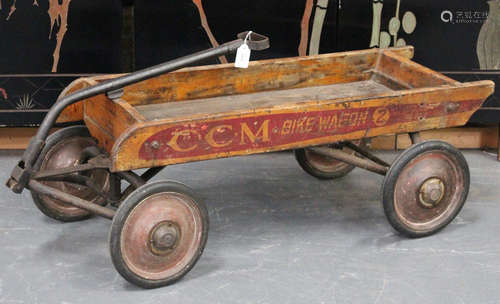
[[224, 105], [367, 93]]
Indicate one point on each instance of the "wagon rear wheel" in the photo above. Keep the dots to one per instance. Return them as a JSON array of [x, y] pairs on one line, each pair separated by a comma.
[[324, 167], [63, 149], [158, 234], [425, 188]]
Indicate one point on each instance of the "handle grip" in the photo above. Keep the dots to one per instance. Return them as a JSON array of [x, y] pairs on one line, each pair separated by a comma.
[[256, 42]]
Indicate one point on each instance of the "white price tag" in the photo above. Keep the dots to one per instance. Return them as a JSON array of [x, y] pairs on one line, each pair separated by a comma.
[[242, 56]]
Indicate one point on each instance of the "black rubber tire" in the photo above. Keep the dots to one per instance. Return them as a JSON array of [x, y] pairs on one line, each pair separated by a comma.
[[307, 166], [388, 186], [124, 211], [52, 140]]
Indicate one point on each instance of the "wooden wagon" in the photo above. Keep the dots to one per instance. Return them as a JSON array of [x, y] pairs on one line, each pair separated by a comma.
[[324, 107]]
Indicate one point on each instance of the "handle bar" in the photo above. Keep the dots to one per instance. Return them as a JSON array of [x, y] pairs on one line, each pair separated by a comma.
[[22, 172]]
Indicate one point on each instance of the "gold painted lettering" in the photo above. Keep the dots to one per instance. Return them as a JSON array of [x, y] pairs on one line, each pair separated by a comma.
[[333, 122], [353, 119], [310, 123], [344, 119], [323, 122], [300, 124], [262, 133], [363, 117], [184, 133], [287, 127], [209, 138]]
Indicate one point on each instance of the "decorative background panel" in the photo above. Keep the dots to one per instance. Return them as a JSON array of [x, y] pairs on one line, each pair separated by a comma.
[[48, 43], [450, 33], [445, 33], [458, 37], [26, 100], [277, 19], [63, 36], [171, 29], [166, 30]]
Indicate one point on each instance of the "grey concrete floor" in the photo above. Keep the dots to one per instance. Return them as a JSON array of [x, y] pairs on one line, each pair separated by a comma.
[[277, 236]]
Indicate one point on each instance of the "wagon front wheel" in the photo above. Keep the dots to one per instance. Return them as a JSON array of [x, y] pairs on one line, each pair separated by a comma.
[[158, 234], [63, 149], [425, 188]]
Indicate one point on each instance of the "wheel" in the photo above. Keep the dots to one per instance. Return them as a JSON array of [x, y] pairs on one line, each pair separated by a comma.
[[324, 167], [425, 188], [158, 234], [62, 149]]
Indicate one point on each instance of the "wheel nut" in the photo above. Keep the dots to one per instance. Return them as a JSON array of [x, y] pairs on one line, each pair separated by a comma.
[[164, 238], [155, 145], [431, 192]]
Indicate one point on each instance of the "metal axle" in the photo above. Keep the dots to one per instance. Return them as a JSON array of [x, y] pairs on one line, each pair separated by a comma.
[[351, 159], [70, 199]]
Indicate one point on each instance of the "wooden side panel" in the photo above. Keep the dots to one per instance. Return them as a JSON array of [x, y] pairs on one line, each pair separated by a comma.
[[107, 119], [209, 81], [407, 73], [305, 124]]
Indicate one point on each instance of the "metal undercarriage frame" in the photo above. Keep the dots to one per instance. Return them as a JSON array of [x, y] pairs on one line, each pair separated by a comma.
[[76, 175], [96, 160]]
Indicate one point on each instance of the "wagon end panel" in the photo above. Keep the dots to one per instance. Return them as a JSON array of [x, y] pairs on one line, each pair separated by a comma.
[[396, 69], [108, 119]]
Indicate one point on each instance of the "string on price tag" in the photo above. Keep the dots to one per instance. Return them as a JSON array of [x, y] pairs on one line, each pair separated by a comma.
[[243, 54]]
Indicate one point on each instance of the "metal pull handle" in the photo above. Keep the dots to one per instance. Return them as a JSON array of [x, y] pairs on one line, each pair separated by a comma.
[[256, 42]]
